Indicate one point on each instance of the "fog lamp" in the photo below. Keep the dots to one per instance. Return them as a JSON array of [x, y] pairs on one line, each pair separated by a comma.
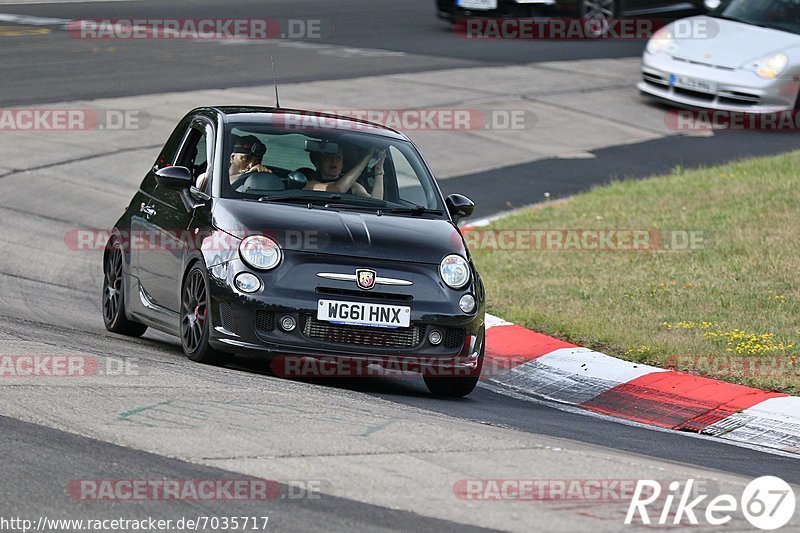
[[467, 303]]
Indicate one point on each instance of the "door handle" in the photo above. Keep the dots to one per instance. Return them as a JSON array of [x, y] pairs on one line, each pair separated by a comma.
[[148, 210]]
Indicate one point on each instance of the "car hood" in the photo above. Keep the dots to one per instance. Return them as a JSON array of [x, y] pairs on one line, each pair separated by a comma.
[[733, 44], [352, 233]]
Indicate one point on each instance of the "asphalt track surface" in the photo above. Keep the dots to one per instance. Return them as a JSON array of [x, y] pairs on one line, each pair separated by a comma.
[[59, 67], [527, 183], [57, 432]]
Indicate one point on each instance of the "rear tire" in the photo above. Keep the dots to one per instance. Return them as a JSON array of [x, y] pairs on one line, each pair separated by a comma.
[[456, 387], [195, 318], [114, 295]]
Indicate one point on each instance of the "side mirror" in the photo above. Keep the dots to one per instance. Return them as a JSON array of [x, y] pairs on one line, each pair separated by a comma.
[[296, 180], [176, 178], [459, 207]]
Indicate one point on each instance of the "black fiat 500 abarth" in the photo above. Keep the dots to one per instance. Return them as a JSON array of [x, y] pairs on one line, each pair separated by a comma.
[[302, 235]]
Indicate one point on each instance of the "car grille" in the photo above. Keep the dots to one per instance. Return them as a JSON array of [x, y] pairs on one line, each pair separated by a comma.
[[360, 335], [371, 295], [654, 79], [226, 317], [723, 97], [697, 95], [454, 337], [738, 98], [265, 320]]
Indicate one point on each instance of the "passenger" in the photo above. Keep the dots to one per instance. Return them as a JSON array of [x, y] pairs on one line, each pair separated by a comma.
[[329, 177]]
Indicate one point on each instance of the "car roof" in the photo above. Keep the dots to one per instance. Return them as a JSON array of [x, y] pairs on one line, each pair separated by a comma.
[[300, 119]]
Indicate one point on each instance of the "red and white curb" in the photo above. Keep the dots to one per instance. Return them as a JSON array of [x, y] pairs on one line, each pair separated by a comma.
[[535, 364]]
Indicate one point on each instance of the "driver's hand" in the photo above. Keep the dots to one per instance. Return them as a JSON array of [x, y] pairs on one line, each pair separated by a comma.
[[256, 168]]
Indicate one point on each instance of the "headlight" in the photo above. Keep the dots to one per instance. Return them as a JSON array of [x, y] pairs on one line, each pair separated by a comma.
[[769, 67], [259, 252], [662, 41], [454, 271]]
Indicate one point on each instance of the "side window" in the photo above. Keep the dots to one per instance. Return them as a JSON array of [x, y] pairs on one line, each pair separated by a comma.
[[167, 155], [408, 184], [196, 154], [193, 154]]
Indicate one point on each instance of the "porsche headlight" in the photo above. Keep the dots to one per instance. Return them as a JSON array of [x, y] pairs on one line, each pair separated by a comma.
[[662, 41], [454, 271], [771, 66], [259, 252]]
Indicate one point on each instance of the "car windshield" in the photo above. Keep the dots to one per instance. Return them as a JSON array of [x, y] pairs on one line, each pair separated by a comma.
[[314, 166], [781, 15]]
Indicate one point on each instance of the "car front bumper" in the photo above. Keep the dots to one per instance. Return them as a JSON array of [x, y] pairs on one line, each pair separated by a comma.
[[251, 323], [734, 90]]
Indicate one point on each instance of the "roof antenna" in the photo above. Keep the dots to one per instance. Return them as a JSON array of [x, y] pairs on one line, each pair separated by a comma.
[[275, 77]]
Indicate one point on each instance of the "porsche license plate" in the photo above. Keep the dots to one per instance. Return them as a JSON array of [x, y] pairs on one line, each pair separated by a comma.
[[364, 314], [484, 5], [694, 84]]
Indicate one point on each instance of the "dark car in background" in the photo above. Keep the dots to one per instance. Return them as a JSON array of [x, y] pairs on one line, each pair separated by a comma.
[[258, 263], [453, 10]]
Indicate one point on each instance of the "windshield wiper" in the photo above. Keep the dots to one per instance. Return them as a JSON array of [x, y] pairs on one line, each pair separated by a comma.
[[302, 198], [332, 200], [416, 210], [367, 206]]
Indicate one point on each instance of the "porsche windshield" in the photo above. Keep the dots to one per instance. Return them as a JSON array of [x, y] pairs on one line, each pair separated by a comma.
[[781, 15], [336, 168]]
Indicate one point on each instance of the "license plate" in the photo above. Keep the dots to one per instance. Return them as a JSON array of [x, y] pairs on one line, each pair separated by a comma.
[[363, 314], [694, 84], [485, 5]]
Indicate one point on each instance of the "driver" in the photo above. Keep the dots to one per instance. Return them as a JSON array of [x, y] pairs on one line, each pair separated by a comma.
[[329, 175], [248, 153]]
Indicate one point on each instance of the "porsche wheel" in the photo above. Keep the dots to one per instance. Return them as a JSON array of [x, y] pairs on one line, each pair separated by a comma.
[[600, 13]]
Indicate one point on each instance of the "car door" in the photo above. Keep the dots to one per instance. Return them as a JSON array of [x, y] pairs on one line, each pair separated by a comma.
[[168, 228]]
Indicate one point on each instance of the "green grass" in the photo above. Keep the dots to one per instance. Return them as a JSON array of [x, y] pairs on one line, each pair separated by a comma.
[[732, 302]]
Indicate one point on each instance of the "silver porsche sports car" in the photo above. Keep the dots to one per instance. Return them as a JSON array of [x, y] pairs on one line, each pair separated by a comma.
[[744, 56]]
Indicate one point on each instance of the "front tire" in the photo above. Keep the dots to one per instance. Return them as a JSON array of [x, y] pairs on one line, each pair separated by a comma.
[[195, 318], [114, 295], [456, 387]]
